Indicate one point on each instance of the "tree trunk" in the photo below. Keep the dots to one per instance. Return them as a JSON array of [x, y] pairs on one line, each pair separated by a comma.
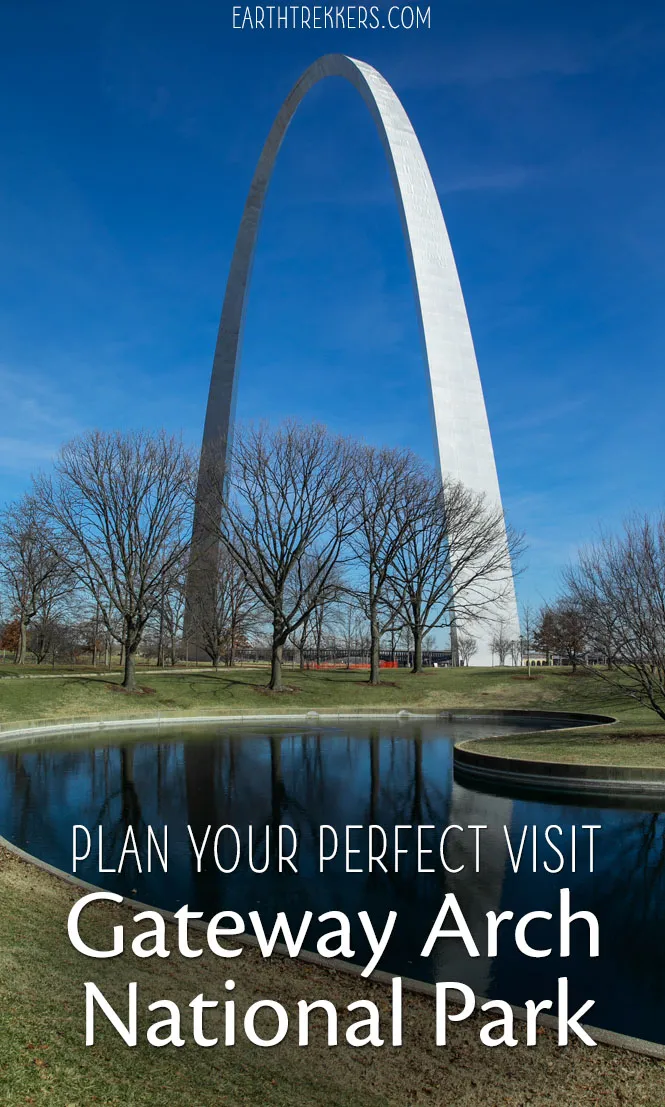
[[22, 647], [417, 650], [374, 660], [129, 679], [278, 639], [276, 667]]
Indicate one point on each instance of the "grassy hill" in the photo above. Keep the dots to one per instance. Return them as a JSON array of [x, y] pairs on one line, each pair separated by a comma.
[[635, 739], [244, 690]]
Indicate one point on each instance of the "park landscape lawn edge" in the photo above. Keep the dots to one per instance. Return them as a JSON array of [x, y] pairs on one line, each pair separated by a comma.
[[606, 1037], [651, 1052], [484, 757], [610, 1038], [463, 1074]]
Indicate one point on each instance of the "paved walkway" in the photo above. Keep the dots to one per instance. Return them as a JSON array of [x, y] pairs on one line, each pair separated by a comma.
[[106, 673]]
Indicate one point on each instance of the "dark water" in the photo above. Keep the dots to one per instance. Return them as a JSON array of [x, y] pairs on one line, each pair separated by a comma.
[[383, 772]]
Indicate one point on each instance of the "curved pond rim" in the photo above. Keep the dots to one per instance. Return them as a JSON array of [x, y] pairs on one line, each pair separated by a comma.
[[35, 729], [601, 1036], [540, 789], [472, 764]]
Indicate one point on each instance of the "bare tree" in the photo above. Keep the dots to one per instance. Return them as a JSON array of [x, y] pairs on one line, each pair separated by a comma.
[[351, 622], [57, 629], [501, 642], [603, 620], [619, 584], [32, 570], [56, 639], [527, 621], [120, 505], [310, 633], [301, 640], [43, 635], [394, 631], [570, 629], [455, 562], [167, 624], [319, 623], [223, 609], [326, 614], [388, 489], [92, 631], [286, 507], [466, 647], [172, 613]]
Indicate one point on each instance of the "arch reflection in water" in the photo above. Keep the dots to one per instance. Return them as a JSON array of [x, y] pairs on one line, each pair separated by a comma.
[[387, 773]]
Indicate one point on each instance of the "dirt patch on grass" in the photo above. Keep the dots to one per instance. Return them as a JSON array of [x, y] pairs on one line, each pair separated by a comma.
[[287, 690], [140, 690]]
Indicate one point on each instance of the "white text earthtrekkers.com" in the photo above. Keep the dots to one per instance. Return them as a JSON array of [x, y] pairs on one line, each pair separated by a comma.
[[324, 17]]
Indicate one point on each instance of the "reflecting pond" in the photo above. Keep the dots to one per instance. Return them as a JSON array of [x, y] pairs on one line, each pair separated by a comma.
[[384, 772]]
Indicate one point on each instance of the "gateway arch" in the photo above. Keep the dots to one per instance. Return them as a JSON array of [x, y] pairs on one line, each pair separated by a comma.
[[461, 430]]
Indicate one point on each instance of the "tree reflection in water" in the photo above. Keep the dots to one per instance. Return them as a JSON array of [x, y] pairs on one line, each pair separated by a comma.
[[379, 772]]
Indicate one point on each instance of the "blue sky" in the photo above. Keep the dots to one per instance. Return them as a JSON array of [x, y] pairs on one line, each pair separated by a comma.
[[129, 133]]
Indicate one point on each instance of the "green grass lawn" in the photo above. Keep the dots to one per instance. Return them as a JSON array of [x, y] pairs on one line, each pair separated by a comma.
[[44, 1061], [245, 689], [626, 746], [634, 740]]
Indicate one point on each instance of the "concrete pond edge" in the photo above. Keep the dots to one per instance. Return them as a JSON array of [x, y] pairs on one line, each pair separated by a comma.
[[473, 764], [35, 731], [610, 1038]]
